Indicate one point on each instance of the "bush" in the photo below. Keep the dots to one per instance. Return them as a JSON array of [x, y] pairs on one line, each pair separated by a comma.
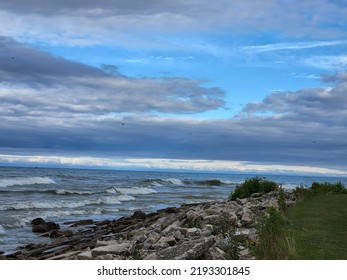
[[253, 185]]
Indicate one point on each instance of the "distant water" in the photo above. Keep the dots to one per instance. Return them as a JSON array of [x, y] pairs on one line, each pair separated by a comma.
[[62, 195]]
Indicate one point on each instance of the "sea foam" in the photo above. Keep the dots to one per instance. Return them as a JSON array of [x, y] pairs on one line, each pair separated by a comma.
[[2, 230], [25, 181]]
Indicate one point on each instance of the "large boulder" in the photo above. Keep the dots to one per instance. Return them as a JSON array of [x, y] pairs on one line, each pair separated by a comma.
[[39, 225]]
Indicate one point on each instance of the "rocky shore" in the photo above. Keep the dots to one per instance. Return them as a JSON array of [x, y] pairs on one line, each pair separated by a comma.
[[213, 231]]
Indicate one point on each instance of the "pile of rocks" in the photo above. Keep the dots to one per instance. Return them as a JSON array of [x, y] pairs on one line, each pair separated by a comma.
[[214, 230]]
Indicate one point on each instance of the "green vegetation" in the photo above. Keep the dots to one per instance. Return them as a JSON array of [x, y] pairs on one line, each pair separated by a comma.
[[275, 241], [314, 228], [302, 193], [319, 227], [253, 185]]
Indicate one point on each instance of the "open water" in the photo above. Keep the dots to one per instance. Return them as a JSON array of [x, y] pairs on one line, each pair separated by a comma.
[[62, 195]]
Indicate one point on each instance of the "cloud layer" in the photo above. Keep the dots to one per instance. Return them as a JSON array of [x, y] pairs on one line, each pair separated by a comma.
[[62, 107]]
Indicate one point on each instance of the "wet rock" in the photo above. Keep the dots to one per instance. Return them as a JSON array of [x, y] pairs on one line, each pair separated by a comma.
[[139, 215], [39, 225], [80, 223]]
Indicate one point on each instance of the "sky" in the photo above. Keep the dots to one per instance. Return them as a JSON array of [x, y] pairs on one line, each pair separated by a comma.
[[224, 85]]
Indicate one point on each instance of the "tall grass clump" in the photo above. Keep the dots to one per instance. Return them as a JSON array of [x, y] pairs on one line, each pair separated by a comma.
[[253, 185], [274, 240]]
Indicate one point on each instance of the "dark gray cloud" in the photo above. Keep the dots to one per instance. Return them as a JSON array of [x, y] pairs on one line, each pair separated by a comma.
[[36, 82], [20, 63], [306, 127], [49, 105]]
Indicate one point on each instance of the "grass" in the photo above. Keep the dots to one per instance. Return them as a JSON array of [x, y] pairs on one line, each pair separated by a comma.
[[275, 241], [319, 227]]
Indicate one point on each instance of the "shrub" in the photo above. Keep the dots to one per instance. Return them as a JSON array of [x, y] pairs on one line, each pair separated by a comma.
[[253, 185]]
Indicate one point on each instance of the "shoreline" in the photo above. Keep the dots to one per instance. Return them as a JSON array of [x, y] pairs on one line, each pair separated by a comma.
[[209, 230]]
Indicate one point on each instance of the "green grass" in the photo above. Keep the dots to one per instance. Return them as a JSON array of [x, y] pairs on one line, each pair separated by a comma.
[[319, 227]]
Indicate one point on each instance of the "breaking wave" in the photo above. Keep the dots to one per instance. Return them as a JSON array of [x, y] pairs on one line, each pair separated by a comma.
[[2, 230], [31, 205], [25, 181]]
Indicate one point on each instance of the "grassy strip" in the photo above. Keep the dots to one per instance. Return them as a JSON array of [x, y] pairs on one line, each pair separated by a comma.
[[315, 228], [319, 227]]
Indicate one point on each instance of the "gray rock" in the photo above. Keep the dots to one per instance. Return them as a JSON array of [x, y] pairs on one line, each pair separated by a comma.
[[87, 255], [246, 219], [190, 250], [242, 201], [115, 249]]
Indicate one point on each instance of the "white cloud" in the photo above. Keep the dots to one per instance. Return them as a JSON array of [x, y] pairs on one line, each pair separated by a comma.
[[171, 164], [292, 46], [327, 62]]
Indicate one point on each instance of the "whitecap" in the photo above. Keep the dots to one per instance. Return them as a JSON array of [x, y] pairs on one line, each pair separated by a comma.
[[62, 192], [2, 230], [21, 181], [174, 181]]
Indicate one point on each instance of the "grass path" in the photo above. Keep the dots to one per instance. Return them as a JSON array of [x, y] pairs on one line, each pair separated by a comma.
[[319, 227]]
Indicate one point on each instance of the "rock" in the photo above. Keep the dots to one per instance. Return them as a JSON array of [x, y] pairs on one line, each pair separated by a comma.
[[59, 234], [242, 201], [139, 215], [153, 238], [178, 235], [244, 254], [41, 226], [174, 226], [38, 221], [87, 255], [193, 232], [214, 253], [116, 249], [190, 250], [243, 234], [246, 219], [169, 240], [272, 202], [80, 223]]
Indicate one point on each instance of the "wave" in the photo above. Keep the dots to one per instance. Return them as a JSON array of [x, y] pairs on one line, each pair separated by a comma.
[[31, 205], [127, 191], [179, 182], [64, 192], [25, 181], [47, 215], [2, 230], [174, 181]]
